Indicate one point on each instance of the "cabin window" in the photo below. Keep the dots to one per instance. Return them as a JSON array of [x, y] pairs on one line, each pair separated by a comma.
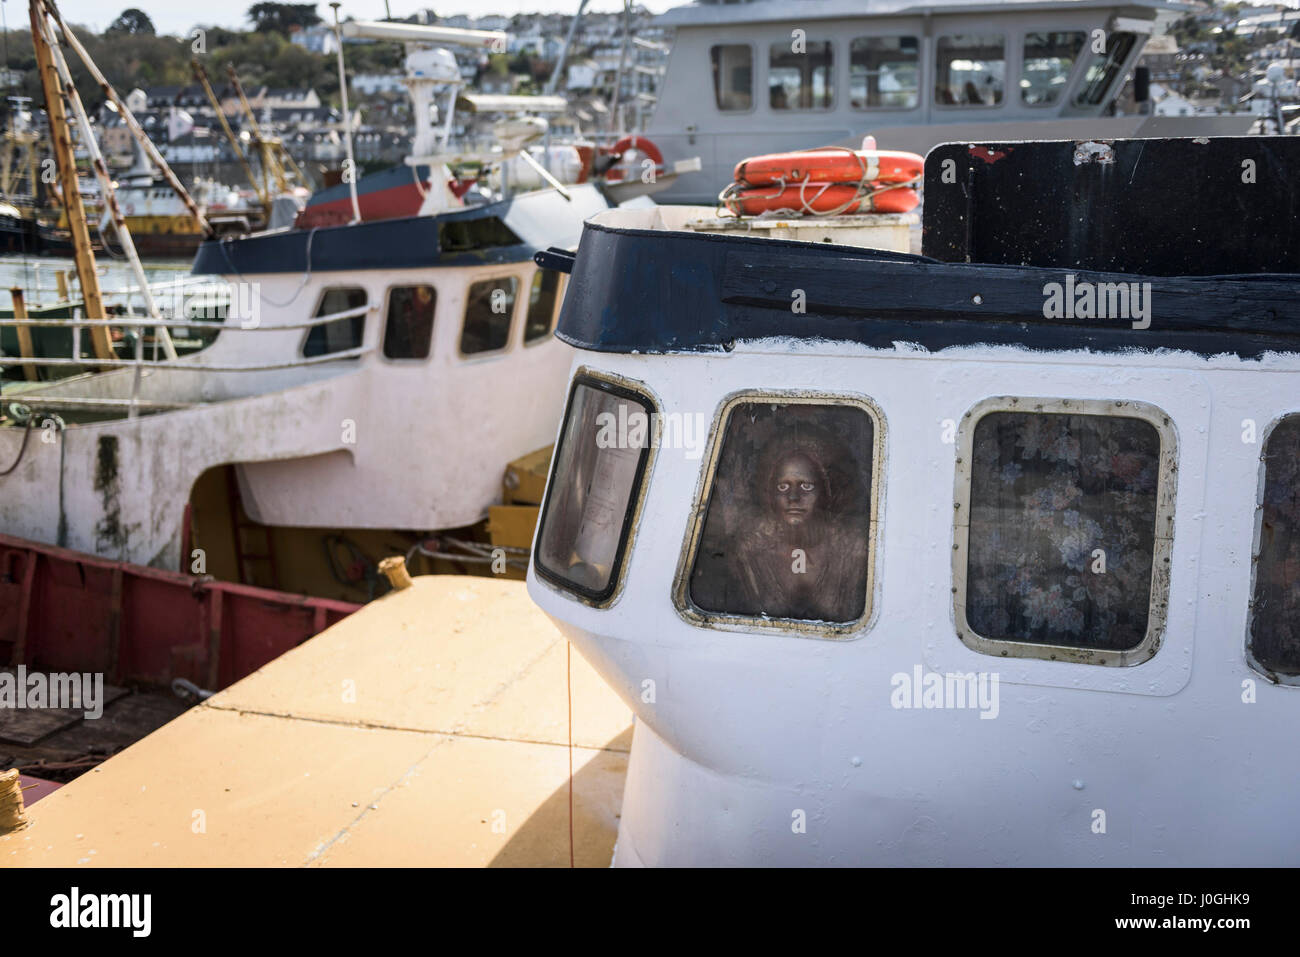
[[733, 76], [1049, 58], [597, 474], [803, 80], [543, 298], [971, 70], [884, 73], [1275, 607], [409, 329], [341, 334], [1103, 69], [1063, 529], [468, 235], [787, 528], [489, 307]]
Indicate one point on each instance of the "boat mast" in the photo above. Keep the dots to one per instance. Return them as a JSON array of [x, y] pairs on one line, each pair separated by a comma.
[[201, 75], [110, 198], [61, 142]]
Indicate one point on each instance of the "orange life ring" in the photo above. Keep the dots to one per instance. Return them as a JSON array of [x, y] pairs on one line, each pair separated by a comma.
[[642, 146], [830, 165], [834, 199]]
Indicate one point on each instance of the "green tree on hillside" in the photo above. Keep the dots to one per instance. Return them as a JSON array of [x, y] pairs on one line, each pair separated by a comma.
[[132, 20]]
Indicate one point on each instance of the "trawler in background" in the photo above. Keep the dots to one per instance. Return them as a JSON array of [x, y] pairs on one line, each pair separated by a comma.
[[367, 384], [795, 75]]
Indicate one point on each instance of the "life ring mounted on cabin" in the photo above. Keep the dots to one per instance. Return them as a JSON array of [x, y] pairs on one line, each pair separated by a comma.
[[637, 144], [827, 181]]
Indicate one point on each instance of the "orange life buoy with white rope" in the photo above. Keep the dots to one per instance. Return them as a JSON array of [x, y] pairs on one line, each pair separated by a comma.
[[829, 181], [833, 165], [641, 145]]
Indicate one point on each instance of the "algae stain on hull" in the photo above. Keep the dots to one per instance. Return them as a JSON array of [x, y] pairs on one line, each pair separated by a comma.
[[109, 533]]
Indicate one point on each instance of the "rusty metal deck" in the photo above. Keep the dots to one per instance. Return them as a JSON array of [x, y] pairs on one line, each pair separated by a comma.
[[429, 728]]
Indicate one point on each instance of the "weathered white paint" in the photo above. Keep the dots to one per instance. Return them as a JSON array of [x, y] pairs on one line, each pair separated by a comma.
[[747, 729], [432, 436]]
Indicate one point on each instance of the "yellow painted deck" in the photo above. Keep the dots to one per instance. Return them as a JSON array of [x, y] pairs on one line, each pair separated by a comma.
[[428, 729]]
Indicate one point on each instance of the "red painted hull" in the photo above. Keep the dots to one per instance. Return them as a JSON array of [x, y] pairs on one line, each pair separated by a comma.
[[392, 203], [66, 611]]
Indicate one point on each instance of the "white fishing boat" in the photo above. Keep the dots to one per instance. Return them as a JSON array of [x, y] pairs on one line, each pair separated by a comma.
[[983, 557], [368, 375]]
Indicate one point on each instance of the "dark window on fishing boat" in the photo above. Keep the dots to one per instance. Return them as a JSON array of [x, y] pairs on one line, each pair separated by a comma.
[[489, 308], [409, 329], [1049, 59], [1065, 549], [733, 76], [1275, 605], [543, 298], [801, 81], [971, 70], [884, 73], [469, 235], [341, 334], [599, 466], [788, 527], [1103, 69]]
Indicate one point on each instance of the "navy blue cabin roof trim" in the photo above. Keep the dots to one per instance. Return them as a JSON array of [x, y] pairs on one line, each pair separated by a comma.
[[406, 243], [655, 291]]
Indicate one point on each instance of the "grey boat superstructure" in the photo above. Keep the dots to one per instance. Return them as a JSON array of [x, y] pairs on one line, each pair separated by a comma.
[[778, 75]]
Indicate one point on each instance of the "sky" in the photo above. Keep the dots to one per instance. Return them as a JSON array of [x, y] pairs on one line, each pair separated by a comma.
[[177, 16]]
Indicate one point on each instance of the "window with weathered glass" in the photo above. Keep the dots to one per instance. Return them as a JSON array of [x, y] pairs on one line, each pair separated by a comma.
[[970, 70], [599, 465], [1048, 60], [787, 527], [1275, 609], [884, 73], [489, 307], [1062, 529], [733, 76], [340, 334], [1103, 69], [409, 329], [801, 77], [543, 298]]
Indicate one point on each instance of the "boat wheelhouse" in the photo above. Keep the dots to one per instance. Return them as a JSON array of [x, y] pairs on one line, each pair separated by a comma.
[[912, 73], [368, 376], [987, 556]]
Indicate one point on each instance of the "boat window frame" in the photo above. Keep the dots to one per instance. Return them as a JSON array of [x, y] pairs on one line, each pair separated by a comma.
[[698, 617], [433, 329], [1162, 535], [1007, 48], [1255, 665], [1066, 99], [464, 356], [1110, 91], [562, 286], [921, 73], [753, 78], [636, 391], [832, 85], [364, 317]]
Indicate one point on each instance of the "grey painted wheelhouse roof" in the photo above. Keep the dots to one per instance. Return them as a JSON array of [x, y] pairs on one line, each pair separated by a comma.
[[707, 14]]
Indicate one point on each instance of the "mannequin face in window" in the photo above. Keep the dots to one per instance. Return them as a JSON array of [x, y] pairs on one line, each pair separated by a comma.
[[796, 490]]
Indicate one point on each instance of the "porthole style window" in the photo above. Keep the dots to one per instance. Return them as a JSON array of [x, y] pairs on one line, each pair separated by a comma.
[[1274, 638], [340, 335], [489, 309], [597, 481], [1064, 519], [784, 537]]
